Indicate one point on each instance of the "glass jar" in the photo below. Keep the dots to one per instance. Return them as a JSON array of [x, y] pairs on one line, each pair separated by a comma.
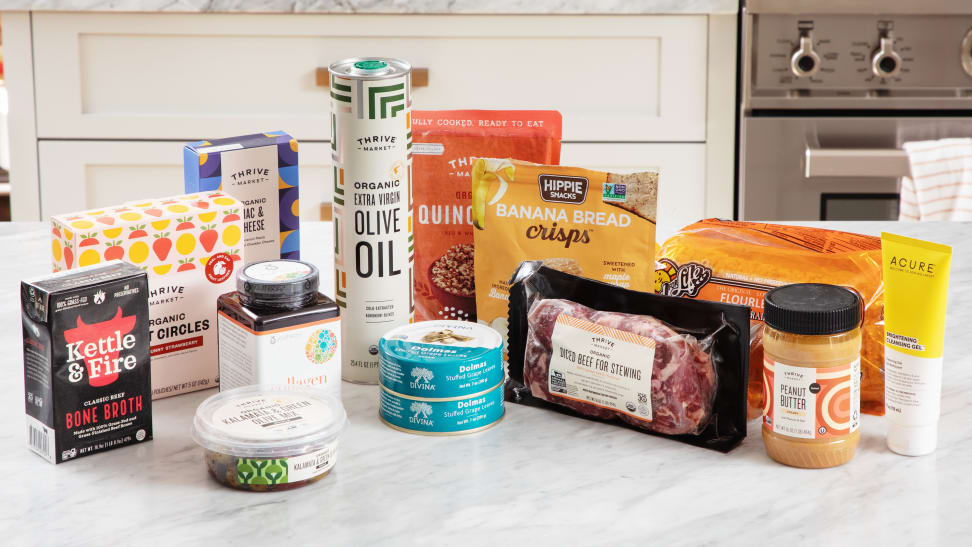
[[277, 329], [811, 374]]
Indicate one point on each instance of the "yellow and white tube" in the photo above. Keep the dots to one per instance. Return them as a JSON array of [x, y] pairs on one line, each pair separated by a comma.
[[915, 294]]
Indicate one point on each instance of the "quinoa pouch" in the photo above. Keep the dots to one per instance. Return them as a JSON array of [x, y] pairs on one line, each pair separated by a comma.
[[589, 223], [668, 366], [443, 145]]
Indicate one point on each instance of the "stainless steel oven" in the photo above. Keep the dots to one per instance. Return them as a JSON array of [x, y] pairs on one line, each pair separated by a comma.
[[832, 89]]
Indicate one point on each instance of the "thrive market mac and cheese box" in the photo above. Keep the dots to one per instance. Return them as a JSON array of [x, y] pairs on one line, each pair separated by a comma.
[[260, 171], [190, 246]]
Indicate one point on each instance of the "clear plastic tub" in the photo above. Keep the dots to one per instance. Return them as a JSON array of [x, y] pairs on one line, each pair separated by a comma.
[[269, 438]]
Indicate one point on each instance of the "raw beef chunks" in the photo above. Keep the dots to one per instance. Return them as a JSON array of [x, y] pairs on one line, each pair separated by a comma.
[[683, 378]]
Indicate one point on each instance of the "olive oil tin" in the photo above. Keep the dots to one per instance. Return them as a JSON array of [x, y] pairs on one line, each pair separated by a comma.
[[441, 416], [371, 149], [441, 359]]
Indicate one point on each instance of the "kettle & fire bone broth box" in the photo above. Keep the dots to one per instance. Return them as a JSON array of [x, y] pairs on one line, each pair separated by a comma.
[[260, 171], [190, 246], [87, 384]]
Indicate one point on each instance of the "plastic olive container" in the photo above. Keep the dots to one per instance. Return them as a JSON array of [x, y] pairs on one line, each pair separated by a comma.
[[269, 438]]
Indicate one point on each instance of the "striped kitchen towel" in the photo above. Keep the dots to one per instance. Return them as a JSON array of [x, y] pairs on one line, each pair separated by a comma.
[[940, 185]]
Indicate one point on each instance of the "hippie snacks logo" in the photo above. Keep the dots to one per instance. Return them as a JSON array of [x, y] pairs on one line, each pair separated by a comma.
[[98, 346], [321, 346], [685, 280]]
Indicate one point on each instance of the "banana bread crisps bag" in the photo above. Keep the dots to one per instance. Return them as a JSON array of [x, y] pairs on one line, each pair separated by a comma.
[[587, 223], [443, 145], [737, 262]]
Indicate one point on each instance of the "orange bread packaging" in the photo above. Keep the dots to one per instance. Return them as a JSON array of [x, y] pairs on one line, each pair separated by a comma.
[[738, 262], [443, 145]]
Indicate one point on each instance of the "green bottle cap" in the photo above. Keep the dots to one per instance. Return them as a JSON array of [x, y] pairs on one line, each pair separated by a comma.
[[371, 64]]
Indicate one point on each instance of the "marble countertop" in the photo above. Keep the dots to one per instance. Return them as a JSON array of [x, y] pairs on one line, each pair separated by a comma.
[[538, 476], [385, 6]]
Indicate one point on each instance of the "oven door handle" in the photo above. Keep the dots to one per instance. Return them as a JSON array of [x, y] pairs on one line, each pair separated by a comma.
[[856, 162]]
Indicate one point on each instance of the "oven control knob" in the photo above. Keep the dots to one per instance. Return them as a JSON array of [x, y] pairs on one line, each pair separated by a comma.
[[967, 53], [804, 62], [885, 62]]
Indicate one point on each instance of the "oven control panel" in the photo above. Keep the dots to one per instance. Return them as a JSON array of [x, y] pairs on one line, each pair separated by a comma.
[[861, 54]]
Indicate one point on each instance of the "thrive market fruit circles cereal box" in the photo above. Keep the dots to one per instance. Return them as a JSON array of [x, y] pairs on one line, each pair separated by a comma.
[[190, 246]]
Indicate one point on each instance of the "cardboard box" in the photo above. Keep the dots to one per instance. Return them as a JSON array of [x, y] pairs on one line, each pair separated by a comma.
[[261, 172], [87, 375], [190, 246]]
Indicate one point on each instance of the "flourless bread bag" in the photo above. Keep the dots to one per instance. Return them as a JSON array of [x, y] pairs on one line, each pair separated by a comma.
[[737, 262]]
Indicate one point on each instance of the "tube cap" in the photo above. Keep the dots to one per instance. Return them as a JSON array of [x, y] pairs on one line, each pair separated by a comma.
[[912, 440], [812, 308]]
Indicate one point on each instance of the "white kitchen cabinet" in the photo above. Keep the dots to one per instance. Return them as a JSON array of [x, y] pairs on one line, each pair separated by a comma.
[[681, 175], [175, 76], [92, 174], [101, 103]]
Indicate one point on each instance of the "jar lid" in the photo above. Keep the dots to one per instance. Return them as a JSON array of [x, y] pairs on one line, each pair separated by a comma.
[[278, 283], [812, 308], [268, 421]]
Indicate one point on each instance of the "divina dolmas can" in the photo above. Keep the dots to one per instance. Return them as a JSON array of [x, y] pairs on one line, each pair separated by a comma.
[[371, 142]]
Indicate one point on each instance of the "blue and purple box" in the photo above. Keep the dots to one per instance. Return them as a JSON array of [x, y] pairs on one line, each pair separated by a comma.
[[260, 171]]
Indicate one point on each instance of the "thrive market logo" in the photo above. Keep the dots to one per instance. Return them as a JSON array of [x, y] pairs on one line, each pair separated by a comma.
[[97, 346]]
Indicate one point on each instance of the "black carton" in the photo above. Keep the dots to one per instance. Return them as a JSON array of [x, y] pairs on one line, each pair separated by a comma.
[[87, 383]]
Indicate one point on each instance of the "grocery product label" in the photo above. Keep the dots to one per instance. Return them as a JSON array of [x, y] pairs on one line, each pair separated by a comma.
[[268, 417], [251, 177], [441, 359], [286, 470], [260, 170], [602, 366], [812, 403], [429, 416], [372, 139], [190, 246], [559, 215], [308, 355], [913, 386]]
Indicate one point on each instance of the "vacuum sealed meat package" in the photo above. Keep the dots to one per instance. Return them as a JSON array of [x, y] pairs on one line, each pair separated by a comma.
[[649, 361]]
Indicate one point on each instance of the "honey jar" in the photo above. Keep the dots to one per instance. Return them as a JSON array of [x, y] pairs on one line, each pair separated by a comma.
[[811, 374]]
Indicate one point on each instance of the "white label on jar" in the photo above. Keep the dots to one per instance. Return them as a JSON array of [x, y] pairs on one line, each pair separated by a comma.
[[602, 366], [251, 176], [271, 416], [912, 387], [277, 270], [305, 355], [812, 403], [308, 466]]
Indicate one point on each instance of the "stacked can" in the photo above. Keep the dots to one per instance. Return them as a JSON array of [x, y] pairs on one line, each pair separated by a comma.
[[441, 378], [371, 148]]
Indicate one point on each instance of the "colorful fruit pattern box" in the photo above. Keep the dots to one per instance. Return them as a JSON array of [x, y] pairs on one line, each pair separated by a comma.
[[191, 246]]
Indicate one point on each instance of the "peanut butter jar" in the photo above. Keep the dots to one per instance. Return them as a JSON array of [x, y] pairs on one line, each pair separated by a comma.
[[812, 375]]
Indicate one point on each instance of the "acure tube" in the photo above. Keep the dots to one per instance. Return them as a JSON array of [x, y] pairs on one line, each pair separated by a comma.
[[915, 293]]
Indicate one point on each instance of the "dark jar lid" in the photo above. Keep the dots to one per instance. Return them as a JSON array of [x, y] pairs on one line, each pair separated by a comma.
[[277, 284], [812, 308]]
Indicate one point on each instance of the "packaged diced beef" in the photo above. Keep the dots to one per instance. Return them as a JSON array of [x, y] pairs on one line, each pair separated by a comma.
[[669, 366]]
